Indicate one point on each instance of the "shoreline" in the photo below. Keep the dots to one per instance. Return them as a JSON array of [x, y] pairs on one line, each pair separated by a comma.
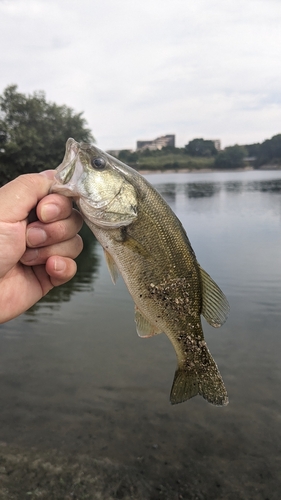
[[207, 170]]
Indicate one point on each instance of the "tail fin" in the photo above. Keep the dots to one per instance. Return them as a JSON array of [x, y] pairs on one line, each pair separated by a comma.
[[203, 378]]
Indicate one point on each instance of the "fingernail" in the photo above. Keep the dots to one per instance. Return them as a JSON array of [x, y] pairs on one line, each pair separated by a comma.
[[30, 255], [35, 236], [49, 212], [59, 264]]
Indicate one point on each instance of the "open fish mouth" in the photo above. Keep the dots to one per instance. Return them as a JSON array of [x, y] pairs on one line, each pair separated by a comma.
[[69, 171]]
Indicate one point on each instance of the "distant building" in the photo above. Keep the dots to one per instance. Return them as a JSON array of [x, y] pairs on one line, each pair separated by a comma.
[[158, 143], [217, 144]]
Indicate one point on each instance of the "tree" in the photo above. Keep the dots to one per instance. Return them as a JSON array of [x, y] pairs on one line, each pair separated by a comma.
[[128, 156], [201, 147], [270, 151], [253, 149], [231, 157], [33, 132]]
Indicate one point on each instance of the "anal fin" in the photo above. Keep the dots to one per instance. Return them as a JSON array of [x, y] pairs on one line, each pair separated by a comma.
[[145, 329]]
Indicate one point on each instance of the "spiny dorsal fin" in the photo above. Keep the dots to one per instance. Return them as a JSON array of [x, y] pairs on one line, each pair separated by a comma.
[[144, 327], [215, 307], [113, 270]]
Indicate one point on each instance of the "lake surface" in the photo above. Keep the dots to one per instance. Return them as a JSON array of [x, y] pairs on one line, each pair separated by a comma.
[[77, 382]]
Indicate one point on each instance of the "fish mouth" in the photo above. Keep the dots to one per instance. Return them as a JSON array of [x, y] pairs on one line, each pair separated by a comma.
[[69, 171]]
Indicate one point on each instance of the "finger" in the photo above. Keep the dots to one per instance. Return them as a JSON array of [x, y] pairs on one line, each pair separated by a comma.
[[37, 256], [54, 207], [60, 269], [18, 197], [44, 281], [39, 234]]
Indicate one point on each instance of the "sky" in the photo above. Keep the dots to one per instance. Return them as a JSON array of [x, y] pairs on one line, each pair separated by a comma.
[[139, 69]]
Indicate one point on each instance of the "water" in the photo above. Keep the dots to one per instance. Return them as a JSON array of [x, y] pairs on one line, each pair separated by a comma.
[[75, 378]]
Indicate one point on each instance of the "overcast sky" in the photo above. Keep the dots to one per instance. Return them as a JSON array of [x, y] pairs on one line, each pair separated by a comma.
[[143, 68]]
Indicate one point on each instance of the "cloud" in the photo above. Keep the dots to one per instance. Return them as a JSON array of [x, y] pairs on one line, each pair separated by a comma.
[[139, 69]]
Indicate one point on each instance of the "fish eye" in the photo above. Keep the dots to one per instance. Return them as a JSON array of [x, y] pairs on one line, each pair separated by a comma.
[[98, 163]]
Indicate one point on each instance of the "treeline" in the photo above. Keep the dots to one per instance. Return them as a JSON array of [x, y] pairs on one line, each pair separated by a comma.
[[200, 153], [33, 132]]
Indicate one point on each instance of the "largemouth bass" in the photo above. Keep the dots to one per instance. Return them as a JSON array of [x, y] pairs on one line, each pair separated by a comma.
[[145, 242]]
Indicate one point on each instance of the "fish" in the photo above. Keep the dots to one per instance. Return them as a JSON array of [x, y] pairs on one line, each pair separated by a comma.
[[145, 242]]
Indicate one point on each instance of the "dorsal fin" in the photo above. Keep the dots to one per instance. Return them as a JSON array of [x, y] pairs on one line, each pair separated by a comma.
[[215, 307]]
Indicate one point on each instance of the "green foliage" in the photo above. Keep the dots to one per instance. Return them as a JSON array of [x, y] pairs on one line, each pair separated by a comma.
[[231, 157], [253, 149], [147, 152], [162, 159], [270, 151], [128, 156], [172, 160], [201, 147], [33, 132]]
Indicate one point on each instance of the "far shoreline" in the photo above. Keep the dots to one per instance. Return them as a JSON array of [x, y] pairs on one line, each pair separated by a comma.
[[207, 170]]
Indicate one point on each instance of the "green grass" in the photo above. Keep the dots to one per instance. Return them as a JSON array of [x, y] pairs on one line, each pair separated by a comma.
[[172, 161]]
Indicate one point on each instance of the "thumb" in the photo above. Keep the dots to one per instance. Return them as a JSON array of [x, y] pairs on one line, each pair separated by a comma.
[[20, 196]]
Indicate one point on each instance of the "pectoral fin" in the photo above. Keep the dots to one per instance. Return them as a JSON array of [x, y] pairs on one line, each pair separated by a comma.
[[132, 243], [144, 327], [215, 307], [113, 270], [135, 246]]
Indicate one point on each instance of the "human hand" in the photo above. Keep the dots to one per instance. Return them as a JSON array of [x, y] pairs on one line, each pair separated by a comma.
[[35, 256]]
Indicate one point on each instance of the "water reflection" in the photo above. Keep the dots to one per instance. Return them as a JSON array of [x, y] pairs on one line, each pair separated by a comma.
[[270, 186], [201, 190], [206, 189], [263, 186], [168, 191], [234, 187]]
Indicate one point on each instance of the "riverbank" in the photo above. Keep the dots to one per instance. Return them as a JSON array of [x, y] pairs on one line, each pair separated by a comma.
[[206, 170]]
